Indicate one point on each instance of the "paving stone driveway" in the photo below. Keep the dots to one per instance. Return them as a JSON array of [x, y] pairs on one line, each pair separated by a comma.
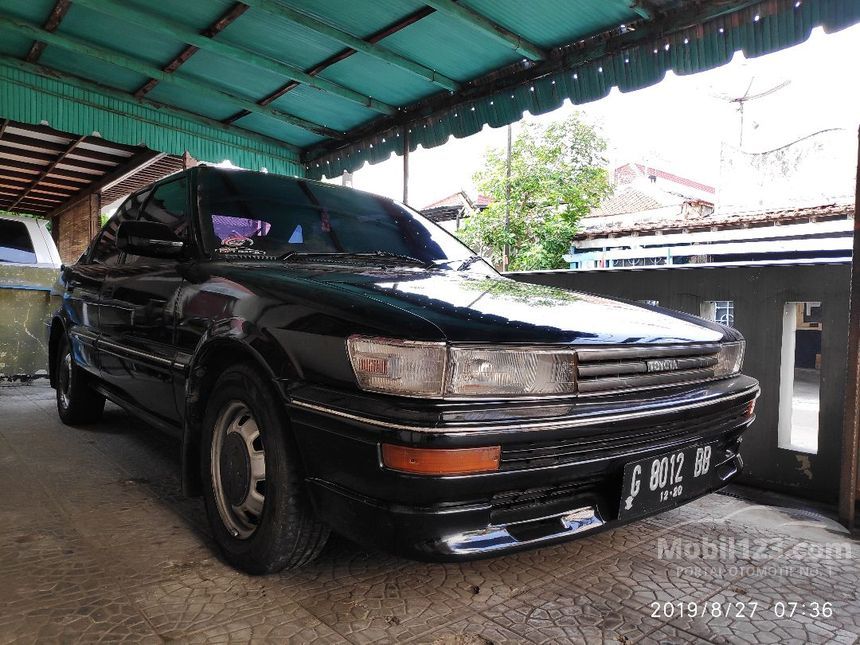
[[97, 544]]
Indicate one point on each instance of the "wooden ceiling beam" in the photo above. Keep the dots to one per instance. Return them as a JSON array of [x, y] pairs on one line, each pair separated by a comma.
[[56, 16], [32, 198], [74, 144], [141, 160], [54, 147], [386, 31], [35, 169], [172, 29], [91, 140], [48, 158], [14, 177], [309, 22], [210, 32], [18, 185], [29, 207], [494, 30]]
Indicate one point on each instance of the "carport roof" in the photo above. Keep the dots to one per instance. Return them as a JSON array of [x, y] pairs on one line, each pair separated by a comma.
[[309, 87], [42, 169]]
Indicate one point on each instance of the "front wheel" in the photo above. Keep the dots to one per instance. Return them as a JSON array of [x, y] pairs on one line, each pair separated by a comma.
[[77, 402], [255, 498]]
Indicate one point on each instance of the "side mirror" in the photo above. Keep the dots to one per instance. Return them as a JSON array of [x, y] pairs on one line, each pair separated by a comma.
[[149, 239]]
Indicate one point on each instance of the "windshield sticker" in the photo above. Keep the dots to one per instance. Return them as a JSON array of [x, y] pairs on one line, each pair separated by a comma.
[[244, 250], [297, 237], [237, 241]]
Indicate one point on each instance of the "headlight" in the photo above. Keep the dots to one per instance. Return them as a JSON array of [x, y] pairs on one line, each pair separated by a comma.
[[411, 368], [408, 368], [511, 372], [730, 360]]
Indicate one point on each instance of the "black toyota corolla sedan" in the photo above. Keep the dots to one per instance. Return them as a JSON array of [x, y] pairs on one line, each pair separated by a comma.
[[331, 360]]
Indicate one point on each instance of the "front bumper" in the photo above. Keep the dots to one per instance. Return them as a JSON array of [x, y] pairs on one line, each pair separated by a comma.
[[559, 477]]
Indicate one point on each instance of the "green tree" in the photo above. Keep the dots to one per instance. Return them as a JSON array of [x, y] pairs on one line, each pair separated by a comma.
[[557, 176]]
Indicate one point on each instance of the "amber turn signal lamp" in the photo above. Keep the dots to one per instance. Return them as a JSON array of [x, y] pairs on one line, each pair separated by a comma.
[[438, 461]]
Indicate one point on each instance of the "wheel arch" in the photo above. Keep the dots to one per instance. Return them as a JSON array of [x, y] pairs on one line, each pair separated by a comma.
[[209, 361], [57, 331]]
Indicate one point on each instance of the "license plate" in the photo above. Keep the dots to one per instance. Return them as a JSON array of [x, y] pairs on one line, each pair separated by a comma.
[[665, 481]]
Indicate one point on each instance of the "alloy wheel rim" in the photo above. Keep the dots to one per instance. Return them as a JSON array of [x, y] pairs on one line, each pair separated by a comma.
[[238, 468], [65, 384]]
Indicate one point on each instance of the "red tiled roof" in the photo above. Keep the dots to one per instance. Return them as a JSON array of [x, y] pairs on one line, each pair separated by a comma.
[[455, 199], [460, 198], [718, 219], [629, 200]]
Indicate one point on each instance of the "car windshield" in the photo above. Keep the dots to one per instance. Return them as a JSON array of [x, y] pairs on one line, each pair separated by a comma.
[[272, 217]]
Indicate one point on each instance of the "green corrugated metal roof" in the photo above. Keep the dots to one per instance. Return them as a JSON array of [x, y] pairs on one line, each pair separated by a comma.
[[437, 70]]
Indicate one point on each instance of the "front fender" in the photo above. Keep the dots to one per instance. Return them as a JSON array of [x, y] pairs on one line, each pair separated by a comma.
[[225, 343]]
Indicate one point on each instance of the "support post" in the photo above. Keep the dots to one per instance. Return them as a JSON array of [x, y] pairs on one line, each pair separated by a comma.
[[406, 166], [851, 421], [506, 256]]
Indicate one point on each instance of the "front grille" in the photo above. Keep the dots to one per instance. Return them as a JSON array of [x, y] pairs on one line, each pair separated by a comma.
[[604, 442], [634, 368]]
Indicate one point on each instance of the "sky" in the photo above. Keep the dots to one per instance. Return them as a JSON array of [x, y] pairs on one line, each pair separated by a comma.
[[679, 125]]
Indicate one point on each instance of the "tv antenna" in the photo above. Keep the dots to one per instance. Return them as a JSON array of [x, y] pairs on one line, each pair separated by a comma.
[[742, 100]]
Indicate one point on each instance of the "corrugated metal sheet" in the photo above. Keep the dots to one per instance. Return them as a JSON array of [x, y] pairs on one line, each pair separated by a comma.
[[455, 49], [590, 18], [443, 50], [755, 30], [34, 99]]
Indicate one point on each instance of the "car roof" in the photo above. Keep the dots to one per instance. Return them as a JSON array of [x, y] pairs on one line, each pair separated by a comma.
[[207, 168], [22, 218]]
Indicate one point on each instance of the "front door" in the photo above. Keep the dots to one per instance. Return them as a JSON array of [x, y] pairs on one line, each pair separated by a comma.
[[82, 283], [138, 305]]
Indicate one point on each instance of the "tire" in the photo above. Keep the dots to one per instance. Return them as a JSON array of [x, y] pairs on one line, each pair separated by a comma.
[[77, 402], [253, 489]]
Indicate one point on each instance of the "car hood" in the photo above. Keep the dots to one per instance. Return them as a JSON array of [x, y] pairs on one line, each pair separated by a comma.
[[472, 307]]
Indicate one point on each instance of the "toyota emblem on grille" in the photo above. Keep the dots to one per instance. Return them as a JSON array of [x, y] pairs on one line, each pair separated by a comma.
[[662, 365]]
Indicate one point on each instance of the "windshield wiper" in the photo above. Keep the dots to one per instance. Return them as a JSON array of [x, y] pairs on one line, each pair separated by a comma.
[[372, 255], [464, 263], [469, 262]]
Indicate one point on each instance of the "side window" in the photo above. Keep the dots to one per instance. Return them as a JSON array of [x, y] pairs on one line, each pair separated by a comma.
[[15, 243], [169, 205], [105, 251]]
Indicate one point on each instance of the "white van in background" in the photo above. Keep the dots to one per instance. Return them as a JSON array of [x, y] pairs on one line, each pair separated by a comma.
[[26, 240], [29, 270]]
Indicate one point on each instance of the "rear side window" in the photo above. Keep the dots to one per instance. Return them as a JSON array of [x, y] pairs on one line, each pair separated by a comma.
[[15, 243], [169, 206], [105, 251], [166, 206]]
